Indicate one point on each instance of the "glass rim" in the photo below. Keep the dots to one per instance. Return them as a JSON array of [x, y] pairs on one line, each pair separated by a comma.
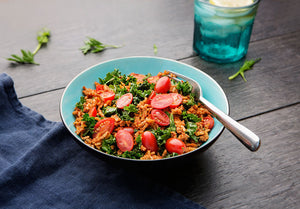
[[231, 8]]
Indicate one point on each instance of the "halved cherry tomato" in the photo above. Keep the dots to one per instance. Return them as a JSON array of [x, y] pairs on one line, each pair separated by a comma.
[[175, 145], [177, 100], [93, 112], [149, 141], [107, 95], [99, 88], [129, 129], [163, 85], [139, 77], [124, 140], [153, 79], [162, 101], [124, 100], [160, 117], [151, 96], [209, 121], [104, 125]]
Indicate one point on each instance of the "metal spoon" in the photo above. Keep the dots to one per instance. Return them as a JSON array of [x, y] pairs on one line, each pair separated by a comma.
[[243, 134]]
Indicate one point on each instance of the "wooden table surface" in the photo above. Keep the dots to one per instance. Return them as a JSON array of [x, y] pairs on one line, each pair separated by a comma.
[[227, 175]]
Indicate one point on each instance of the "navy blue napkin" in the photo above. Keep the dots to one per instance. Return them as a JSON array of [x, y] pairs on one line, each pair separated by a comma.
[[42, 167]]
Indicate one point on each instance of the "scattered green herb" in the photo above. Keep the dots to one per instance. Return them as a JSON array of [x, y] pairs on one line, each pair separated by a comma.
[[28, 57], [92, 45], [155, 49], [246, 66]]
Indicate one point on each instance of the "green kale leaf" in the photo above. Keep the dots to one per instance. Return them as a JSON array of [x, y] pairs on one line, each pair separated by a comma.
[[90, 123], [185, 88], [80, 103]]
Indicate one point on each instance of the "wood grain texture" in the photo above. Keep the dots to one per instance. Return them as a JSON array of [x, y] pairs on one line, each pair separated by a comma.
[[228, 175], [271, 84], [167, 24]]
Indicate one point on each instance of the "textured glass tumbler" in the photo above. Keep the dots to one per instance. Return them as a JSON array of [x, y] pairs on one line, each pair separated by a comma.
[[222, 34]]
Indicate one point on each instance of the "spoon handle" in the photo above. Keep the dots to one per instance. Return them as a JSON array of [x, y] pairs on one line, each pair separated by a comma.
[[246, 137]]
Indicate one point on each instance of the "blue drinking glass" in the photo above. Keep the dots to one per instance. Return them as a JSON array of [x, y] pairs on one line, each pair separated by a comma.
[[222, 34]]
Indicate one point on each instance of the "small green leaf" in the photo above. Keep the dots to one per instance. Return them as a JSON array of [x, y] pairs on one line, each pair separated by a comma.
[[246, 66], [94, 46], [28, 56], [155, 49]]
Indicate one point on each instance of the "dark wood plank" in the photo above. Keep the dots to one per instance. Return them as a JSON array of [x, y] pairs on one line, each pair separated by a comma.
[[276, 18], [227, 175], [167, 24], [47, 104], [272, 83]]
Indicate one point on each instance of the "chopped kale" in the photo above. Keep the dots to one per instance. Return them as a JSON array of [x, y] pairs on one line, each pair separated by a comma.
[[190, 102], [127, 114], [172, 123], [136, 152], [191, 128], [162, 135], [173, 154], [118, 91], [190, 117], [114, 78], [107, 144], [80, 103], [109, 111], [140, 91], [185, 88], [90, 123]]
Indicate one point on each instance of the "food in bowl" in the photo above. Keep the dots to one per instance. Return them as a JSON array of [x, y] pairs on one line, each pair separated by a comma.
[[138, 116]]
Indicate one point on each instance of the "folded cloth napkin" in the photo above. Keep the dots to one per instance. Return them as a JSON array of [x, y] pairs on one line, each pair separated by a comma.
[[42, 167]]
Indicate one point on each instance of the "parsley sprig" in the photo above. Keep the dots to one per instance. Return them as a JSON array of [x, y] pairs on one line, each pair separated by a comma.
[[92, 45], [28, 56], [246, 66]]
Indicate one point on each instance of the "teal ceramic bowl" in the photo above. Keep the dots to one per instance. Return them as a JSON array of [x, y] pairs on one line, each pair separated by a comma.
[[143, 65]]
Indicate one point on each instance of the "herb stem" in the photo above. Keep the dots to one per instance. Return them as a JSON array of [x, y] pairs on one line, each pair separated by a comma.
[[37, 49], [246, 66]]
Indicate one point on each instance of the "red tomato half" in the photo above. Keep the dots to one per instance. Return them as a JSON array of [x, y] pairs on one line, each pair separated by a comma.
[[151, 96], [107, 95], [129, 130], [104, 125], [175, 145], [149, 141], [124, 140], [93, 112], [162, 101], [153, 79], [160, 117], [139, 77], [99, 88], [124, 100], [163, 85], [209, 121], [177, 100]]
